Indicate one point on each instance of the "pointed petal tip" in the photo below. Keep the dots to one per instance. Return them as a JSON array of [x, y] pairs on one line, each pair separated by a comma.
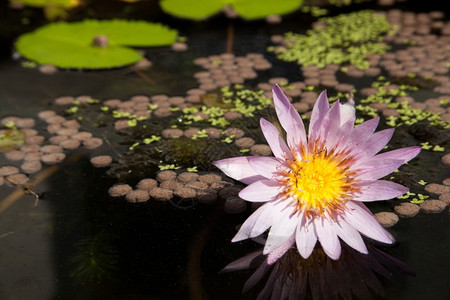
[[333, 252], [276, 87], [238, 237], [324, 93]]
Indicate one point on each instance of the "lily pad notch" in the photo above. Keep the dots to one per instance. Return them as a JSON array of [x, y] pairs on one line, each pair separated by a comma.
[[93, 44]]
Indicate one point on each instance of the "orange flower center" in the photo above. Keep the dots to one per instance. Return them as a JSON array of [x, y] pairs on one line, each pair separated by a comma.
[[319, 182]]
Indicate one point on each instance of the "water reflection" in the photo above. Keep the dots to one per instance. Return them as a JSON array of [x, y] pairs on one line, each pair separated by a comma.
[[353, 276]]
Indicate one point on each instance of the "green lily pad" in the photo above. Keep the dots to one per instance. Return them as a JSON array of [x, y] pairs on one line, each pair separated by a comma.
[[248, 9], [72, 45]]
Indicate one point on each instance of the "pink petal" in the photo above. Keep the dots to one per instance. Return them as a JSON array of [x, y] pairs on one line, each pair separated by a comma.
[[347, 112], [405, 154], [326, 234], [362, 132], [320, 108], [350, 236], [375, 168], [261, 191], [330, 129], [330, 123], [289, 119], [358, 216], [265, 220], [379, 190], [306, 239], [278, 252], [273, 138], [341, 137], [238, 168], [375, 143], [265, 165], [257, 223], [283, 227]]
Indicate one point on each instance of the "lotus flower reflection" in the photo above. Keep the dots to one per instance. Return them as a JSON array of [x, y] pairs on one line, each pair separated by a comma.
[[319, 277], [314, 187]]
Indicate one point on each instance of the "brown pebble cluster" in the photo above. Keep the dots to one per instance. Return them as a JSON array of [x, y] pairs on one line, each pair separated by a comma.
[[240, 141], [226, 69], [38, 150], [429, 206], [168, 185], [302, 100], [144, 107], [427, 56]]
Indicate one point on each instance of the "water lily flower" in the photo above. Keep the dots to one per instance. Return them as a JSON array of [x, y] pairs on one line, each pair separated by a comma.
[[315, 185]]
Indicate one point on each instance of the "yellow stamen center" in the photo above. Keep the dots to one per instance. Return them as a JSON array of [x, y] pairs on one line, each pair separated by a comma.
[[319, 182]]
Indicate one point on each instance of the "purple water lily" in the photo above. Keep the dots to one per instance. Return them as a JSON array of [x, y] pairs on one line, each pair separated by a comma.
[[314, 186]]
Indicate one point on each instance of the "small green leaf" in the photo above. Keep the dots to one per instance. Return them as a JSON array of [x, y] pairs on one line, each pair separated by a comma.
[[193, 169], [417, 201]]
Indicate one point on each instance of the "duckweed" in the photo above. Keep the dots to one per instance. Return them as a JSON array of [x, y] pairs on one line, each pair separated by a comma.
[[346, 38], [407, 115]]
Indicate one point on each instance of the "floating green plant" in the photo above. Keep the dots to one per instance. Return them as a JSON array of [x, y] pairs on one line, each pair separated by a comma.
[[346, 38], [11, 138], [248, 9], [416, 200], [93, 44], [406, 114]]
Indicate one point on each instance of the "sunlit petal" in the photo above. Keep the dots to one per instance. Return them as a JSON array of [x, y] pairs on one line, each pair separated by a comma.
[[238, 168], [273, 138], [261, 191]]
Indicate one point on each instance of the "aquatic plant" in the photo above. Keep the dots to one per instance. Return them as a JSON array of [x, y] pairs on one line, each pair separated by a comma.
[[248, 9], [315, 186], [406, 114], [346, 38], [95, 259], [11, 138], [93, 44]]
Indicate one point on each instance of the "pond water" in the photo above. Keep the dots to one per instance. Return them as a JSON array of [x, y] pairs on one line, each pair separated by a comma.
[[62, 236]]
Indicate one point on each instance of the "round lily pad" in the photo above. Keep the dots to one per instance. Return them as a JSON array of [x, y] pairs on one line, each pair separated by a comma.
[[93, 44], [248, 9]]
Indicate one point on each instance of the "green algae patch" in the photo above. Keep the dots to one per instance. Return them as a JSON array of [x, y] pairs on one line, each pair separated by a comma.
[[11, 139], [346, 38], [93, 44], [247, 9], [406, 115]]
